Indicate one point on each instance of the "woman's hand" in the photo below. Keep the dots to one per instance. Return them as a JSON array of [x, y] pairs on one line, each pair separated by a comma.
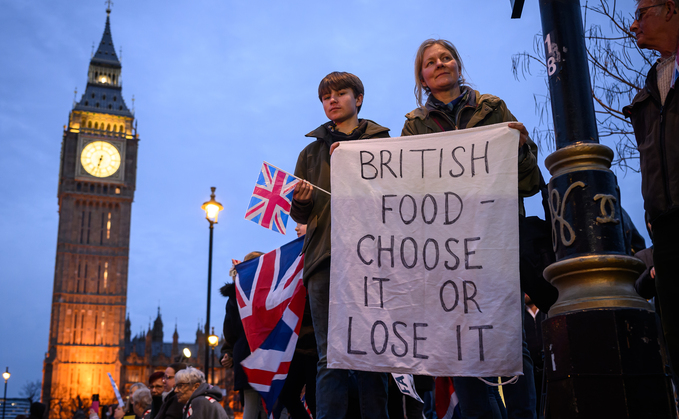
[[302, 192], [523, 132], [333, 147]]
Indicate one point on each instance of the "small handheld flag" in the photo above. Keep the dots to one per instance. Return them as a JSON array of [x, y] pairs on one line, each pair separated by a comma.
[[115, 390], [272, 198]]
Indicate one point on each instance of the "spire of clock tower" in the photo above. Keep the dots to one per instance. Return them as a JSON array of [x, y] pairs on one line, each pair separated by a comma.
[[104, 85]]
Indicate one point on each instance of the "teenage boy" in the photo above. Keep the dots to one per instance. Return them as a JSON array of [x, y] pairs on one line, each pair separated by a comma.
[[342, 96]]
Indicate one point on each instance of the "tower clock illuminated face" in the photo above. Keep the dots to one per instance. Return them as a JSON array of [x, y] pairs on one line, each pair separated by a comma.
[[100, 159]]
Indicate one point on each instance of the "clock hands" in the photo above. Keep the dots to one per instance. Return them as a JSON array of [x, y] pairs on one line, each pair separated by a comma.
[[99, 164], [100, 159]]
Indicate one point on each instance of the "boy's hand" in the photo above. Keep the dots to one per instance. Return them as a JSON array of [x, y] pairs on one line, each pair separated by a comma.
[[302, 192], [227, 361], [333, 147], [523, 132]]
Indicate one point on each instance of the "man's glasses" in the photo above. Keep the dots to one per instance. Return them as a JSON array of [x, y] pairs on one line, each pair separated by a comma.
[[181, 385], [640, 12], [167, 377]]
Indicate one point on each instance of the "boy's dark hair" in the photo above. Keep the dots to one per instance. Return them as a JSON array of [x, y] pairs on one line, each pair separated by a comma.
[[338, 80]]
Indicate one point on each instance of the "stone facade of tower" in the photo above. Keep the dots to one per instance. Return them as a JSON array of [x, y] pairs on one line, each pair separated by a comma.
[[97, 178]]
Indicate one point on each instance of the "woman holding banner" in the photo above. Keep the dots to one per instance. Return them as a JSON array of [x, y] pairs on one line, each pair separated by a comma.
[[453, 105]]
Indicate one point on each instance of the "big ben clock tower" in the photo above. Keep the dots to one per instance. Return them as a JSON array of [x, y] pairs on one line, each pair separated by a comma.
[[96, 190]]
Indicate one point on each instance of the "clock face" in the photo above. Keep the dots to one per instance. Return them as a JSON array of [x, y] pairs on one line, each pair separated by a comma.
[[100, 159]]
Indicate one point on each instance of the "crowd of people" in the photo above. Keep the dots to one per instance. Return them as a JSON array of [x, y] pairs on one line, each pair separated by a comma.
[[445, 103]]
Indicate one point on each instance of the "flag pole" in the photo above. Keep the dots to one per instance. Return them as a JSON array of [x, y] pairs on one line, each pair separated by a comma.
[[278, 168]]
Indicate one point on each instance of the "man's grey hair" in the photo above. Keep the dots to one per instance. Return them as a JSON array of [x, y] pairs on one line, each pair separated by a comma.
[[142, 398], [190, 376], [134, 387]]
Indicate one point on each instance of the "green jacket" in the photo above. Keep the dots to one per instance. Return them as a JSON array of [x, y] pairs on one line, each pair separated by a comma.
[[479, 110], [313, 165]]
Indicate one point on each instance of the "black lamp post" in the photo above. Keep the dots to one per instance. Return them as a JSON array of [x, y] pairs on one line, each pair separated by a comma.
[[6, 376], [213, 341], [602, 354], [212, 209]]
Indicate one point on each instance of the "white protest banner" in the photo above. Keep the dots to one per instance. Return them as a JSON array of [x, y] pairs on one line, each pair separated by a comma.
[[425, 254]]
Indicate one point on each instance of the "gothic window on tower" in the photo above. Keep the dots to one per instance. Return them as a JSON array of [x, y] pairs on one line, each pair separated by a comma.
[[108, 226], [82, 326], [75, 325], [85, 279], [77, 281], [96, 321], [105, 275], [101, 231], [82, 226], [89, 222]]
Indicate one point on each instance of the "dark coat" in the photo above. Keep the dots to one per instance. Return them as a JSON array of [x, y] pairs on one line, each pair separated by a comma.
[[533, 328], [656, 128], [171, 408], [235, 342], [313, 165], [476, 111], [204, 403]]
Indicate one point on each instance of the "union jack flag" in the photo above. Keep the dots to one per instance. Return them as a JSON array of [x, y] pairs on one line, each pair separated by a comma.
[[271, 297], [446, 401], [272, 198]]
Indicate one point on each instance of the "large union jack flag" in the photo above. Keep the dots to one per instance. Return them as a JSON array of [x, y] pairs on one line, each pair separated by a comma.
[[271, 298], [272, 198]]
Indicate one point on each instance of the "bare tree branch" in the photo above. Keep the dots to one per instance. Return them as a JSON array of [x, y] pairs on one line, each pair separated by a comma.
[[617, 68]]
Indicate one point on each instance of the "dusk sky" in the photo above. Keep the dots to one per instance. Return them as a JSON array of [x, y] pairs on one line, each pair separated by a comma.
[[218, 87]]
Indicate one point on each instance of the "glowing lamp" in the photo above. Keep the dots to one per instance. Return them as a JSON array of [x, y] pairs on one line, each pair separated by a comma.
[[213, 340], [212, 208], [187, 352]]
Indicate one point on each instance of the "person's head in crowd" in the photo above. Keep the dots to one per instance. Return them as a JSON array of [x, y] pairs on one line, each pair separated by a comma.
[[438, 70], [156, 384], [341, 94], [170, 371], [186, 382], [134, 387], [37, 410], [141, 401], [656, 26], [300, 229]]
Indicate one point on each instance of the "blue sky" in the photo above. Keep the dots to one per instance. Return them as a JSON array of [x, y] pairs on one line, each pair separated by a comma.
[[219, 86]]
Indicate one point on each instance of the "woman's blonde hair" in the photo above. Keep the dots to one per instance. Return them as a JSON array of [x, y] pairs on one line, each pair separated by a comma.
[[419, 58]]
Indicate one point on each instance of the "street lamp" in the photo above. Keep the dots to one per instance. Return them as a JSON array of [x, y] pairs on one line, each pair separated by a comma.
[[6, 376], [213, 340], [212, 209]]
